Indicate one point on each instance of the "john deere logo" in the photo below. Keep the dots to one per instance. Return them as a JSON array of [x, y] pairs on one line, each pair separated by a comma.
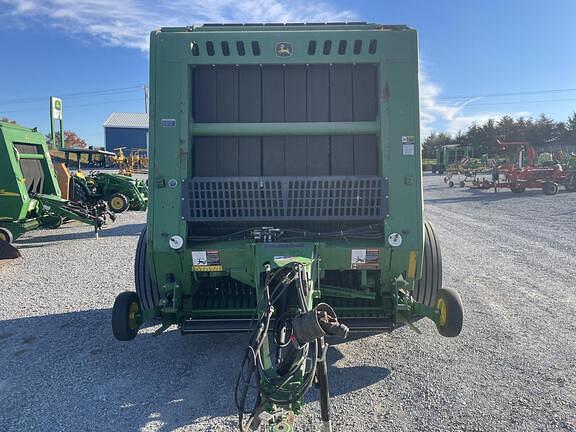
[[284, 49], [58, 104]]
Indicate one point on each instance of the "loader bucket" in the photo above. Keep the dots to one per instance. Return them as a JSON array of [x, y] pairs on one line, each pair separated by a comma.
[[7, 251]]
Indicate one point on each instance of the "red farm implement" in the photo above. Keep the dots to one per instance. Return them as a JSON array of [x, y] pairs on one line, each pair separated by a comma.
[[521, 172]]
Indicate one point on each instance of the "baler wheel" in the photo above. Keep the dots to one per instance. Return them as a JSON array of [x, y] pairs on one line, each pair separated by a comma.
[[462, 183], [431, 281], [118, 203], [450, 183], [146, 288], [6, 235], [550, 188], [125, 316], [449, 305]]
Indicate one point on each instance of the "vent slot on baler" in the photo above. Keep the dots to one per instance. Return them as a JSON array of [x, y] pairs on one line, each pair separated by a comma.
[[262, 199], [285, 94]]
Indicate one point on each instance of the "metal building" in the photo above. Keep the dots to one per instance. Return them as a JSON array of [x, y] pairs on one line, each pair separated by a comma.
[[129, 130]]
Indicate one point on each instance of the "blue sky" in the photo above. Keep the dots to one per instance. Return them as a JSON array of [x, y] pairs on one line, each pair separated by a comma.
[[479, 59]]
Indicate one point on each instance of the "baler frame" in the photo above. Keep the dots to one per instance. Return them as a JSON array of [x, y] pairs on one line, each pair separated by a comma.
[[217, 227]]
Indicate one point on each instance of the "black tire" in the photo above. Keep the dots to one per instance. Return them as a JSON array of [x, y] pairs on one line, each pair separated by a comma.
[[146, 288], [118, 203], [428, 286], [58, 221], [462, 183], [6, 235], [517, 189], [570, 184], [450, 183], [451, 312], [550, 188], [124, 320]]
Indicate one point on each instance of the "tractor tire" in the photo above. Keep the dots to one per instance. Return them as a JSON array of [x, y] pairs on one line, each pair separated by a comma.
[[570, 185], [146, 288], [6, 235], [518, 189], [124, 316], [550, 188], [449, 304], [427, 287], [118, 203], [451, 184]]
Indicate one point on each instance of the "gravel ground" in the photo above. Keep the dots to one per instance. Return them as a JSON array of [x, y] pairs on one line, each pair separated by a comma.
[[513, 259]]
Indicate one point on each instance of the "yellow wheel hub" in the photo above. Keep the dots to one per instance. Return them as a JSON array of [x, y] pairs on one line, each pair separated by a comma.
[[441, 306], [117, 203], [3, 237], [132, 321]]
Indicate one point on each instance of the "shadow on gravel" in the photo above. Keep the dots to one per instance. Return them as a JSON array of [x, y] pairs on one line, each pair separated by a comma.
[[348, 379], [483, 196], [127, 230], [72, 360]]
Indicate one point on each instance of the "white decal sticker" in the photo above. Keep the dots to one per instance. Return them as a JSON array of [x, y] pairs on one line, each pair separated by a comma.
[[408, 149]]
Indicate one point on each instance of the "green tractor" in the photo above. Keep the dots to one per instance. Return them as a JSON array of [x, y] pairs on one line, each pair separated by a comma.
[[285, 201], [119, 191], [29, 193]]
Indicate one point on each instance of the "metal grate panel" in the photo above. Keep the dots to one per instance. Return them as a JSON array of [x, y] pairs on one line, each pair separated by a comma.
[[328, 198]]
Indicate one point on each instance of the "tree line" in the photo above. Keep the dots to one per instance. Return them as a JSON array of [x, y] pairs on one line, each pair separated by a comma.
[[482, 137]]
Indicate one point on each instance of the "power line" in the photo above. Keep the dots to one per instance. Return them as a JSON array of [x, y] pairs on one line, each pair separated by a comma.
[[471, 104], [91, 93], [74, 106], [474, 104], [509, 94]]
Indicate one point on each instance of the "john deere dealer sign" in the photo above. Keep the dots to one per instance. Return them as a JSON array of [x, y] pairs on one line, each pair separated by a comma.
[[56, 108]]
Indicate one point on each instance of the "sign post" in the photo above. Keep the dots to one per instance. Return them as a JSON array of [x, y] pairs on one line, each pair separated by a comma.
[[56, 114]]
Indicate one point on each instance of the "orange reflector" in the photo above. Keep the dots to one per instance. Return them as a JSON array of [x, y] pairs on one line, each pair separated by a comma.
[[412, 265]]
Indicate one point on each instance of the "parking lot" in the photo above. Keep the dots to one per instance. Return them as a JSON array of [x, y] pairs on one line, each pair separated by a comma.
[[512, 257]]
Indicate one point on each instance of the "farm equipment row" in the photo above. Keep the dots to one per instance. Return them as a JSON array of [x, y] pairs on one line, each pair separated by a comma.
[[519, 171], [36, 193], [30, 195]]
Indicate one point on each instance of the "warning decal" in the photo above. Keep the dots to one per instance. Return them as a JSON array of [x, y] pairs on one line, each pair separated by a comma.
[[206, 261], [408, 145], [365, 259]]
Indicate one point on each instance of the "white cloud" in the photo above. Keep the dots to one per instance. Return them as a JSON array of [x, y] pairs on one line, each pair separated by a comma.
[[436, 116], [127, 22]]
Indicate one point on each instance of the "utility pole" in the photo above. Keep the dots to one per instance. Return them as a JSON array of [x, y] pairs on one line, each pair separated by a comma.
[[145, 98]]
